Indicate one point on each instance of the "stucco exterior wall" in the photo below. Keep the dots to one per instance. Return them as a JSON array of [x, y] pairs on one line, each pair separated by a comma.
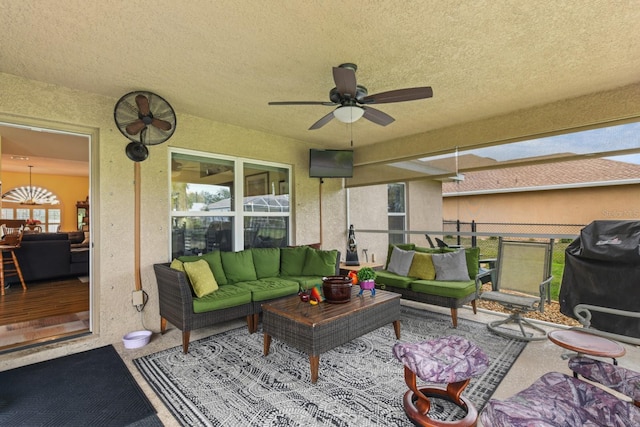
[[570, 206], [368, 211], [112, 198], [424, 208], [112, 194]]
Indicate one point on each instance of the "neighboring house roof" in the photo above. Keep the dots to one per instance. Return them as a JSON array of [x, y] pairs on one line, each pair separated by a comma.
[[557, 175]]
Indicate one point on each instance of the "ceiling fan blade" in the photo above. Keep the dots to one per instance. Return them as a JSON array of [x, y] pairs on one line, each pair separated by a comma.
[[135, 127], [377, 116], [323, 121], [399, 95], [143, 105], [161, 124], [329, 104], [345, 79]]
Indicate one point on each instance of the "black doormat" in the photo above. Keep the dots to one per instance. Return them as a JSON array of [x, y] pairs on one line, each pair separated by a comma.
[[93, 388]]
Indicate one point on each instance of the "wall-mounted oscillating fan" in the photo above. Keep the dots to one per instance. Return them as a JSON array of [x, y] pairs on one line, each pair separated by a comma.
[[146, 119]]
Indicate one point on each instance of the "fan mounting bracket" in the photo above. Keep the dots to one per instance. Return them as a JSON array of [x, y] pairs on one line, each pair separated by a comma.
[[349, 65]]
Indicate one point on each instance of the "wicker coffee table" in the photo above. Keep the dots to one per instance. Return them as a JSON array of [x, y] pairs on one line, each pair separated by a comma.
[[317, 329]]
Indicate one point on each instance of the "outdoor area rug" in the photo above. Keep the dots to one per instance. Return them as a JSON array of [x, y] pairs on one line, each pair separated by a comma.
[[93, 388], [225, 380]]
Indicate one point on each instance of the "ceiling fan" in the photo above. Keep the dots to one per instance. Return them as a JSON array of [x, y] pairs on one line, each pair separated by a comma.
[[353, 99]]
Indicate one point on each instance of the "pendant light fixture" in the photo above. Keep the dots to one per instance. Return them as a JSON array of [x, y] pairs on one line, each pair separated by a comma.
[[30, 195]]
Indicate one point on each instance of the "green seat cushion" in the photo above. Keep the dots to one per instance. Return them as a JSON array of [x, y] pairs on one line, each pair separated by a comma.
[[215, 263], [384, 277], [226, 296], [403, 246], [266, 262], [270, 288], [320, 263], [201, 277], [422, 266], [444, 289], [292, 260], [238, 266]]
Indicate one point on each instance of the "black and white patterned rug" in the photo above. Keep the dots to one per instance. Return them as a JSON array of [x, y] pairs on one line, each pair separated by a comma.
[[225, 380]]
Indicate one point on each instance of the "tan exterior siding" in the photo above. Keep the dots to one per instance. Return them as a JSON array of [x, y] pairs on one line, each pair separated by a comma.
[[570, 206]]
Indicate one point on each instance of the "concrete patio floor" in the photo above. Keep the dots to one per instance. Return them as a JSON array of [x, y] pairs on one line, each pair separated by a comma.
[[537, 358]]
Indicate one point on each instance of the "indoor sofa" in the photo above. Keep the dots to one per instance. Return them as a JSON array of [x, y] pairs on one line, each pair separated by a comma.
[[198, 291], [439, 276], [48, 256]]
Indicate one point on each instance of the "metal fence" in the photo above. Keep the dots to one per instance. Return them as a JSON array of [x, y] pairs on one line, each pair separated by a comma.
[[485, 235]]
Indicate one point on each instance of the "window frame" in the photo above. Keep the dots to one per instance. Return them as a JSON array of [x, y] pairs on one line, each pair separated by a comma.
[[237, 212]]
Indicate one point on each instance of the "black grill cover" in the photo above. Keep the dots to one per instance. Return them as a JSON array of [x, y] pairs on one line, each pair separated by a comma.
[[602, 268]]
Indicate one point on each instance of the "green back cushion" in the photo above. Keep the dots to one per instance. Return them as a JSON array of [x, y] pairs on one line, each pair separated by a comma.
[[215, 264], [320, 263], [422, 266], [292, 260], [266, 262], [473, 258], [238, 266], [201, 277], [403, 246]]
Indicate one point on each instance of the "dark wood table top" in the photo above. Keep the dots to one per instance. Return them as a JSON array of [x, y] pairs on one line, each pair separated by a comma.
[[305, 313], [586, 343]]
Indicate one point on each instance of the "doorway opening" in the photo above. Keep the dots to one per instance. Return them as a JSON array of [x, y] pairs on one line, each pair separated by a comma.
[[55, 254]]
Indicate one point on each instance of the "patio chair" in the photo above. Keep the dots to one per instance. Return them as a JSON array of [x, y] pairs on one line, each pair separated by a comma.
[[583, 314], [522, 280], [431, 245]]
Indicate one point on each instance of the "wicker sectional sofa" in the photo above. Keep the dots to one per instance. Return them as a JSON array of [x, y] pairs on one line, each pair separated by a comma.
[[425, 282], [242, 282]]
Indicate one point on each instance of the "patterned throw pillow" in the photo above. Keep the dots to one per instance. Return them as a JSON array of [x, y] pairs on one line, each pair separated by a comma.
[[201, 277]]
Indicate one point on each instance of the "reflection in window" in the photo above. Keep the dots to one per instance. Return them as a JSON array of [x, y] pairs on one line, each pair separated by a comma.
[[396, 211], [265, 232], [199, 235]]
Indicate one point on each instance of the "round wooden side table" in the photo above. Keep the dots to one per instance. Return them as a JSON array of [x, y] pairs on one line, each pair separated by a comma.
[[586, 343]]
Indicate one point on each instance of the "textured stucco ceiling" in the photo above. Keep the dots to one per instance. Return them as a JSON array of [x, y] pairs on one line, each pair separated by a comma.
[[224, 60]]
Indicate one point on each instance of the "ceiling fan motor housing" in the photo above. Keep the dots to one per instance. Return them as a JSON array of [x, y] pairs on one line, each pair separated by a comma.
[[337, 98]]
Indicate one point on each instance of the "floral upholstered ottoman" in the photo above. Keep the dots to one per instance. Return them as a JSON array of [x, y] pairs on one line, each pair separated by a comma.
[[450, 360], [556, 399]]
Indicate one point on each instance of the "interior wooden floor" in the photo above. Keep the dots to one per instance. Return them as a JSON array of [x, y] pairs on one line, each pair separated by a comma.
[[48, 303]]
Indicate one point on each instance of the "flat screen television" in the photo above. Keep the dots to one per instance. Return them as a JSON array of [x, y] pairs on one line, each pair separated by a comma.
[[330, 163]]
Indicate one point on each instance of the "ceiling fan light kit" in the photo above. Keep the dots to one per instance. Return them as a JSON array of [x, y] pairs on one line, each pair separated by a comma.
[[348, 113], [353, 99]]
